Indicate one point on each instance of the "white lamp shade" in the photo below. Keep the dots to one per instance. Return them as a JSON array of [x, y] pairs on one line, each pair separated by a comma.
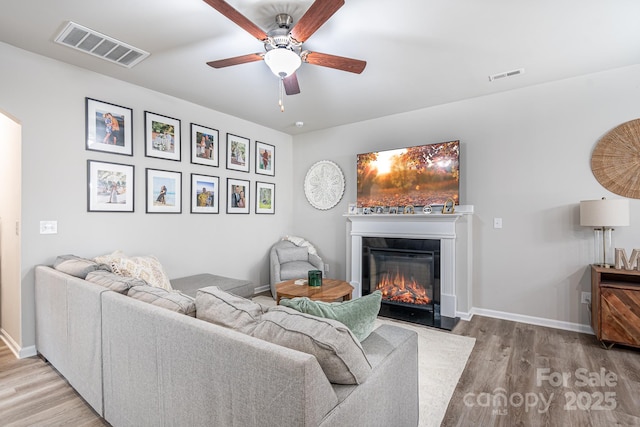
[[283, 62], [604, 213]]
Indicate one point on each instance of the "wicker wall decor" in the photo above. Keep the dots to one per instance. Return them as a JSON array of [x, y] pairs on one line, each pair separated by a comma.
[[615, 161]]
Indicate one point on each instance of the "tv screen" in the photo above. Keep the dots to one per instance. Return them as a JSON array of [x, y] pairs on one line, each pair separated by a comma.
[[417, 176]]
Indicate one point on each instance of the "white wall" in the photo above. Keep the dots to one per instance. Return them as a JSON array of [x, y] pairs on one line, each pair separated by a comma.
[[9, 224], [48, 97], [525, 158]]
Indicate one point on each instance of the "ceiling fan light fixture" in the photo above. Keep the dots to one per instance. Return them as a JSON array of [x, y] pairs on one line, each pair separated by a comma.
[[282, 62]]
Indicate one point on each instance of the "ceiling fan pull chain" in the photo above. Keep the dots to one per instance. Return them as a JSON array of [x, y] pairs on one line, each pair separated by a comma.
[[281, 93]]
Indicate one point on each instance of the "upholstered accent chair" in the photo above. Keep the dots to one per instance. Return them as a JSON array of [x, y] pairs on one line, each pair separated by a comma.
[[292, 261]]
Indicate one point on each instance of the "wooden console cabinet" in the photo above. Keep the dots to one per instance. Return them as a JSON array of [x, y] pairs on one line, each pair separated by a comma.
[[615, 306]]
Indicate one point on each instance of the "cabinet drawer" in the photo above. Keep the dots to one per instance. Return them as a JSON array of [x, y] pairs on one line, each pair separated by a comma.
[[620, 315]]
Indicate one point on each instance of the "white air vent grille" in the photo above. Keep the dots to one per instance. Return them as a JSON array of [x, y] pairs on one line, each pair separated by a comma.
[[506, 74], [96, 44]]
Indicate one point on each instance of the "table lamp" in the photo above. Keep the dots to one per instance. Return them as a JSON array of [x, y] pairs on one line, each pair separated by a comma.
[[603, 215]]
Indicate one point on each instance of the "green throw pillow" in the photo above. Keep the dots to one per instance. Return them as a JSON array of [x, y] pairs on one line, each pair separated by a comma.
[[359, 315]]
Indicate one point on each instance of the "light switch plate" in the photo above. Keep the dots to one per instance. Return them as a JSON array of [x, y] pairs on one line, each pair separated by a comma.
[[48, 227]]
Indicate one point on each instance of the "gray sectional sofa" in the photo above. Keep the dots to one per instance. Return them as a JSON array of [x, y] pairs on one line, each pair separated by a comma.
[[139, 364]]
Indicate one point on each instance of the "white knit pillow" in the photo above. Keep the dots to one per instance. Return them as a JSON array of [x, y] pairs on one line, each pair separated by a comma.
[[147, 268]]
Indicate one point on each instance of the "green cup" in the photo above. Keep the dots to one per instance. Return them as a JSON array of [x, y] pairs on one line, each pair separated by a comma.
[[315, 278]]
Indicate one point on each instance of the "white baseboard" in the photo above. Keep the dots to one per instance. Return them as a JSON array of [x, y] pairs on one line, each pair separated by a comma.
[[19, 352], [262, 288], [539, 321]]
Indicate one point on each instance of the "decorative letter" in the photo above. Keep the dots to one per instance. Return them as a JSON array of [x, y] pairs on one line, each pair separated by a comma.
[[622, 263]]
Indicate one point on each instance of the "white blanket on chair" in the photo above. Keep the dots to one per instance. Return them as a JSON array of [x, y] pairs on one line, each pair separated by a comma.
[[299, 241]]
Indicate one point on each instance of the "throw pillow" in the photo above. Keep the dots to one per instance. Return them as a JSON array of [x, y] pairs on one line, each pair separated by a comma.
[[292, 254], [113, 281], [359, 314], [337, 350], [76, 266], [110, 259], [147, 268], [222, 308], [173, 301]]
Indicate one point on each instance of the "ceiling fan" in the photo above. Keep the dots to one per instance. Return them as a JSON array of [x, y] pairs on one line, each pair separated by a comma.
[[283, 46]]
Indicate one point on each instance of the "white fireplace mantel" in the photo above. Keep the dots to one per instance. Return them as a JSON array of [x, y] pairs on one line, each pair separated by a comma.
[[435, 226]]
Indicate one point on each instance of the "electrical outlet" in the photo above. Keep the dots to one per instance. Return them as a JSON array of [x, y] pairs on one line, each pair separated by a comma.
[[585, 298], [326, 268]]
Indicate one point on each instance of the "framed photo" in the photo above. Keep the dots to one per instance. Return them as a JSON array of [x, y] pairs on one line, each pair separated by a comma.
[[237, 153], [393, 210], [237, 196], [353, 209], [205, 146], [110, 187], [265, 198], [265, 159], [109, 127], [205, 193], [162, 136], [164, 191]]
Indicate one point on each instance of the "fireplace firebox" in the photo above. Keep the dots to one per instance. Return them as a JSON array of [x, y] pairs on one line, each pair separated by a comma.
[[407, 272]]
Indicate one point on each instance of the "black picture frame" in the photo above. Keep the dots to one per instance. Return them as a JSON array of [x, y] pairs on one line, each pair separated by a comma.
[[238, 153], [164, 191], [265, 198], [110, 187], [205, 145], [108, 127], [238, 196], [205, 194], [162, 137], [265, 159]]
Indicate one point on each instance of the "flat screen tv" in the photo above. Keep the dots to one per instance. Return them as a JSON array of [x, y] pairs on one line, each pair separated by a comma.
[[417, 176]]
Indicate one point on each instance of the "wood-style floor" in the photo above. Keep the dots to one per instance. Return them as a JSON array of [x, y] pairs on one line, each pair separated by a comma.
[[32, 393], [524, 375], [504, 364]]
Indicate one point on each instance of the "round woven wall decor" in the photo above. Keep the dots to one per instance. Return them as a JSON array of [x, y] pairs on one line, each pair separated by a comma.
[[615, 161]]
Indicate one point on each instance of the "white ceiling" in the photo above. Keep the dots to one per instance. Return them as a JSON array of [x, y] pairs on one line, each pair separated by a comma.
[[419, 53]]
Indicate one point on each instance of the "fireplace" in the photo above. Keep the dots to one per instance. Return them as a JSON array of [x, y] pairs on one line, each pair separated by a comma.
[[438, 248], [407, 272]]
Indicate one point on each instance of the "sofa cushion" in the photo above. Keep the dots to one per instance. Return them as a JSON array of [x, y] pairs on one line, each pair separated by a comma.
[[114, 282], [147, 268], [359, 314], [173, 301], [190, 285], [222, 308], [76, 266], [337, 350], [292, 254], [295, 270]]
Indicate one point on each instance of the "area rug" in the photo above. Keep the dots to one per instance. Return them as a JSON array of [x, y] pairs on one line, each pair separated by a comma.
[[442, 358]]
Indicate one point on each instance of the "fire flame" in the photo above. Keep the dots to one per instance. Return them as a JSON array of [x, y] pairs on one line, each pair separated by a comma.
[[400, 289]]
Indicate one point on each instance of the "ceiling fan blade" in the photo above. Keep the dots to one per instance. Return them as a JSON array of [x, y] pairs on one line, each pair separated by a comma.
[[239, 19], [337, 62], [291, 86], [237, 60], [319, 12]]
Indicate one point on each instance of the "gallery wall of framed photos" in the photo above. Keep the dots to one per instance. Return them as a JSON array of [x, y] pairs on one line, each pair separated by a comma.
[[200, 185]]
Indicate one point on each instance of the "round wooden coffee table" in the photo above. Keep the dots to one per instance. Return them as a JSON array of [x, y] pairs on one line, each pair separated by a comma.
[[331, 290]]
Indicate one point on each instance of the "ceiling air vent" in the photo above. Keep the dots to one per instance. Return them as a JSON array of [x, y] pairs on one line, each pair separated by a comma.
[[506, 74], [96, 44]]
